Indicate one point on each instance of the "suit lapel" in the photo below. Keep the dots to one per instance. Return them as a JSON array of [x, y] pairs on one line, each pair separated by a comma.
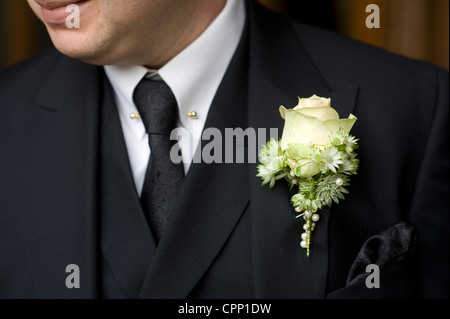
[[278, 77], [211, 201], [54, 143], [214, 196]]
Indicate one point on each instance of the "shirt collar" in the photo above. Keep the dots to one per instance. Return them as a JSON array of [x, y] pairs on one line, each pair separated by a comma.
[[124, 79], [194, 75]]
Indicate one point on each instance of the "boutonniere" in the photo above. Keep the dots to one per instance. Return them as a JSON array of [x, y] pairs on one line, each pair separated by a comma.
[[316, 155]]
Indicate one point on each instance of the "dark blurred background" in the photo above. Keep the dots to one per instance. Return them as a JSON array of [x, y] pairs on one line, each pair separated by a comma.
[[414, 28]]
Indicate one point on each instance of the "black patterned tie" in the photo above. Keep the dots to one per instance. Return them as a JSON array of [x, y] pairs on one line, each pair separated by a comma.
[[159, 112]]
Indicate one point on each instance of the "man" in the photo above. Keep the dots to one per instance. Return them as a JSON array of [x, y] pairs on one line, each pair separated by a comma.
[[77, 157]]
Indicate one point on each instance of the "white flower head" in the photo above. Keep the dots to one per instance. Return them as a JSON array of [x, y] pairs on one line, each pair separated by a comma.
[[272, 163], [331, 159]]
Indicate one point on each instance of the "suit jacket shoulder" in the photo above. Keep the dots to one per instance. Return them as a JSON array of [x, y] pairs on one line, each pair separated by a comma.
[[27, 76], [379, 73], [357, 60]]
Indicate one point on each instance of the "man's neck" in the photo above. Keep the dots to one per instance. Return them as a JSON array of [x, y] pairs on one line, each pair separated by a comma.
[[204, 13]]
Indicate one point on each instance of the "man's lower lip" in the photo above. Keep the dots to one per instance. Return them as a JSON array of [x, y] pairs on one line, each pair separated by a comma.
[[58, 15]]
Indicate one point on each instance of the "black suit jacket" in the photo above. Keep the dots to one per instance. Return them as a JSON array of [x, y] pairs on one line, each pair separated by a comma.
[[67, 195]]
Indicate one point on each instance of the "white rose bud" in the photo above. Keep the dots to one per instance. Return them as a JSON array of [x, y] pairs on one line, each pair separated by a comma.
[[310, 123], [313, 101]]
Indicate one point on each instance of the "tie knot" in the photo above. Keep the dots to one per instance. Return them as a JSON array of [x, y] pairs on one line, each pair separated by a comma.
[[157, 106]]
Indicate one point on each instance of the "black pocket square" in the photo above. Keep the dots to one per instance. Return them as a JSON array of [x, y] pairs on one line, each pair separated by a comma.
[[392, 251]]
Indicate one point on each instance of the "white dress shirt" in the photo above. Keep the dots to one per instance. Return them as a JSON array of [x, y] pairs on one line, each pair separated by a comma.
[[194, 76]]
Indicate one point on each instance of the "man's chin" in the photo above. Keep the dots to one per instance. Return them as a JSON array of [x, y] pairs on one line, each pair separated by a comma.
[[81, 49]]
